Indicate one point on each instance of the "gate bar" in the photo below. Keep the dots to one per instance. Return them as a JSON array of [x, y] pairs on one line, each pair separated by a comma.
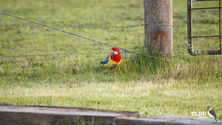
[[191, 49], [206, 36], [206, 8], [220, 24]]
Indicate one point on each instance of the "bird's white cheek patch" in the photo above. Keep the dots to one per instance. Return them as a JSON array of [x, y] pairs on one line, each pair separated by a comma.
[[115, 52]]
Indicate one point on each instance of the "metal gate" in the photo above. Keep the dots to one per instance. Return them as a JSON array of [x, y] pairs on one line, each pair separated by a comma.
[[191, 49]]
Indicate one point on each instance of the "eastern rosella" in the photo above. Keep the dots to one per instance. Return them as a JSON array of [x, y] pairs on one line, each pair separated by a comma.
[[114, 59]]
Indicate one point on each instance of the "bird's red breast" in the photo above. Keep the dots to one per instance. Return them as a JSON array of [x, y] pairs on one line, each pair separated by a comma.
[[116, 57]]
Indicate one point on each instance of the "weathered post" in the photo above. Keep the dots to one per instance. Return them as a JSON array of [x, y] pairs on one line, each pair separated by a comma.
[[159, 26]]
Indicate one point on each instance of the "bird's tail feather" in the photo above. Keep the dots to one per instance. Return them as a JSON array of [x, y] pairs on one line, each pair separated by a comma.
[[106, 61], [102, 62]]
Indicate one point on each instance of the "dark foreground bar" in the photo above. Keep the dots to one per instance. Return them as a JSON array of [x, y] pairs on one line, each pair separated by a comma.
[[165, 120], [45, 115]]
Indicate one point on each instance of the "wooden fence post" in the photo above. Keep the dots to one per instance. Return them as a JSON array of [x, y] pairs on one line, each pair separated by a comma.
[[158, 26]]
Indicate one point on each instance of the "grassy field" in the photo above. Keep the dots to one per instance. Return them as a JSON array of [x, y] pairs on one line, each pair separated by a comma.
[[177, 86]]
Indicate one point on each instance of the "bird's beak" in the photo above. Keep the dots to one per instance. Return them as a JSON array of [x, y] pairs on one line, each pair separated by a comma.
[[112, 52]]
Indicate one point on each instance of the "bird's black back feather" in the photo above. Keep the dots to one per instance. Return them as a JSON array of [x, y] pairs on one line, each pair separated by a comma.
[[212, 112]]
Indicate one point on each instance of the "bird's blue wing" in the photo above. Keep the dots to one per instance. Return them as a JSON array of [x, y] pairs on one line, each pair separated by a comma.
[[106, 61]]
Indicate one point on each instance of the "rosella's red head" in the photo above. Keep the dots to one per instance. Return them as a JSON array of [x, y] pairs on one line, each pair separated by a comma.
[[115, 54]]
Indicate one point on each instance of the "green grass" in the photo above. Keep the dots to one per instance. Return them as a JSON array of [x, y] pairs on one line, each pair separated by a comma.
[[150, 98], [176, 86]]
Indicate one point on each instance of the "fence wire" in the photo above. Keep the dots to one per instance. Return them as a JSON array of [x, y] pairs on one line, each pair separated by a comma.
[[91, 27], [48, 54], [104, 26], [70, 33], [81, 27], [73, 34]]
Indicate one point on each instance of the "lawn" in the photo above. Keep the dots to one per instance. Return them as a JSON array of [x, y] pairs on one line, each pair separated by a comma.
[[73, 76]]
